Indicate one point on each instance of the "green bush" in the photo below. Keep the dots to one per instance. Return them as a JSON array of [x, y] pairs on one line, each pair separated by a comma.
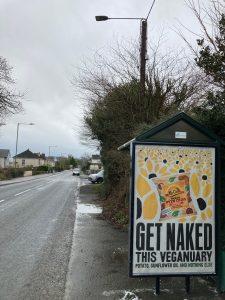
[[121, 218], [28, 168], [42, 168]]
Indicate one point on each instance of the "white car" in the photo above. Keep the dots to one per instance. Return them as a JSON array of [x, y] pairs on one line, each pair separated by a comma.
[[96, 178], [76, 172]]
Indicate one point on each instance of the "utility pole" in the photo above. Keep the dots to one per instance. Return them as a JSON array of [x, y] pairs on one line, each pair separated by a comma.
[[143, 46], [143, 54], [17, 131], [17, 134]]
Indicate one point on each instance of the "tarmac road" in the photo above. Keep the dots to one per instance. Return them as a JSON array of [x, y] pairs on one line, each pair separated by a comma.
[[36, 221]]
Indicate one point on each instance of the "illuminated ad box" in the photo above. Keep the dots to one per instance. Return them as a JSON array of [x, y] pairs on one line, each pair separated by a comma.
[[174, 203]]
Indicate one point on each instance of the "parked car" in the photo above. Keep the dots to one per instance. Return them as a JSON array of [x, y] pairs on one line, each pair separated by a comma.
[[76, 172], [96, 178]]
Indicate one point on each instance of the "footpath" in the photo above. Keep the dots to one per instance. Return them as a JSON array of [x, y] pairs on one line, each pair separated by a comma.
[[98, 267]]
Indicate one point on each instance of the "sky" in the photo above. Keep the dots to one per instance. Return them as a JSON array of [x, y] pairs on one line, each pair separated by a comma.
[[46, 41]]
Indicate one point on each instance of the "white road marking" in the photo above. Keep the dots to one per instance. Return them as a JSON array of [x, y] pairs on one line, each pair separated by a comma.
[[39, 186], [22, 192], [2, 200]]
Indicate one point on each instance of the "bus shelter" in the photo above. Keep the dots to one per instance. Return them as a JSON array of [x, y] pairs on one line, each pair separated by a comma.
[[174, 201]]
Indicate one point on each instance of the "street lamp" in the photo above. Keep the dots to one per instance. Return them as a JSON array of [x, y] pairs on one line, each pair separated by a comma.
[[105, 18], [143, 48], [17, 134]]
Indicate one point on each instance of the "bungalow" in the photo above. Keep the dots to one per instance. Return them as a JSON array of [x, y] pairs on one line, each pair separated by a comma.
[[4, 158], [28, 158]]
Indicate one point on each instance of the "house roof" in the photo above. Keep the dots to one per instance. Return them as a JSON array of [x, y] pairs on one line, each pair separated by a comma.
[[41, 155], [4, 152], [27, 154]]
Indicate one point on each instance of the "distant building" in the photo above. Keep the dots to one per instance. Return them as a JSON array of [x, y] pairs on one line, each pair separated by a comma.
[[4, 158], [28, 158], [95, 163], [51, 160]]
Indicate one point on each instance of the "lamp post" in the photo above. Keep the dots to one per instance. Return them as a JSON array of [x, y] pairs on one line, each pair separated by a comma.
[[143, 46], [17, 135], [49, 152]]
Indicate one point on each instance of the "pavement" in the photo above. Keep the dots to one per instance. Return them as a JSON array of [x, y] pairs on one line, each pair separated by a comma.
[[98, 267]]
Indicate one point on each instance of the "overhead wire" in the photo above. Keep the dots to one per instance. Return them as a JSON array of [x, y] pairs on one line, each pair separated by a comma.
[[150, 9]]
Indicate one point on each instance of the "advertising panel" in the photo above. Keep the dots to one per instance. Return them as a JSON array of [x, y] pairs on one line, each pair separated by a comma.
[[173, 202]]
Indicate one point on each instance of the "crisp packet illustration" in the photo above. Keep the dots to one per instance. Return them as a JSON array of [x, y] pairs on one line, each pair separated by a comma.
[[174, 195]]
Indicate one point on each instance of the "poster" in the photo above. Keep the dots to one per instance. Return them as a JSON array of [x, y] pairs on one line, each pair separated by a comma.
[[173, 228]]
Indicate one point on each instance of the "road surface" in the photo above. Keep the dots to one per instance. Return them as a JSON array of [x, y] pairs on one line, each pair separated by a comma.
[[36, 221]]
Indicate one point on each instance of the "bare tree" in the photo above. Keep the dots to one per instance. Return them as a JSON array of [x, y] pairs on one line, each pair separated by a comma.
[[10, 100], [172, 83], [208, 17]]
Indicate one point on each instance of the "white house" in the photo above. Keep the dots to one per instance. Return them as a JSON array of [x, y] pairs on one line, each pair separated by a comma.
[[28, 158], [4, 158]]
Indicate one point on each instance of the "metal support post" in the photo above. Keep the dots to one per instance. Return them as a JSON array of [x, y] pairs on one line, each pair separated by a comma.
[[187, 284], [157, 285]]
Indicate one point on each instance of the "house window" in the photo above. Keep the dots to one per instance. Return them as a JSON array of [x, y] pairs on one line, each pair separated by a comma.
[[23, 162]]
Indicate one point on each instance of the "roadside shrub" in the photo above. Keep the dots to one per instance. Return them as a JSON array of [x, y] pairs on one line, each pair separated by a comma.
[[42, 168], [28, 168], [121, 218], [13, 173], [116, 168], [115, 206], [59, 168], [2, 175]]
